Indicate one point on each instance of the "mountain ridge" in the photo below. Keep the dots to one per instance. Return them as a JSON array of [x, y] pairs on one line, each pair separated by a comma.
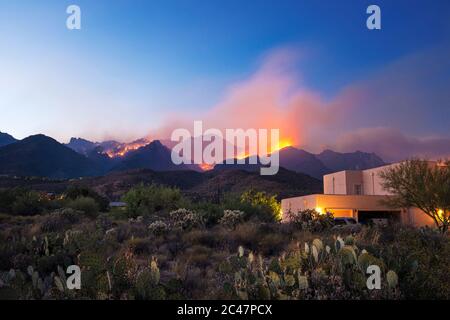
[[87, 158], [6, 139], [315, 165], [39, 155]]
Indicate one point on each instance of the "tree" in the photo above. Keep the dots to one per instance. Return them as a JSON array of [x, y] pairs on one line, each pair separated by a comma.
[[417, 183]]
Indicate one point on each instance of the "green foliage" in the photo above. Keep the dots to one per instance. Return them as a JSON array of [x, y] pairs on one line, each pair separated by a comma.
[[159, 228], [143, 200], [262, 205], [234, 259], [231, 218], [210, 212], [416, 183], [315, 273], [185, 219], [75, 192], [86, 205], [20, 201], [311, 220], [28, 203], [7, 198]]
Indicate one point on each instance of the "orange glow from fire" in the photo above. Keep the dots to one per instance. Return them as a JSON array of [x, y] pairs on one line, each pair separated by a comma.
[[206, 167], [283, 143], [125, 148]]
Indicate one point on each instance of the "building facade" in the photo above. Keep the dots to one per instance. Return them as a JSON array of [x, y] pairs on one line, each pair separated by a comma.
[[357, 194]]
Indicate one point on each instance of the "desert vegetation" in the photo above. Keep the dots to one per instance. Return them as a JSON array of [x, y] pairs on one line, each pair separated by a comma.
[[162, 245]]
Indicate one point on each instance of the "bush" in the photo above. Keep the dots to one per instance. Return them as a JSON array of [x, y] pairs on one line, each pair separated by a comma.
[[421, 257], [7, 198], [185, 219], [143, 200], [210, 212], [28, 203], [85, 204], [311, 220], [60, 220], [22, 202], [75, 192], [231, 218], [262, 205], [158, 228]]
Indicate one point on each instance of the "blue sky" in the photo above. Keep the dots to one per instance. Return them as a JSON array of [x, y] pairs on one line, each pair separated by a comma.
[[136, 63]]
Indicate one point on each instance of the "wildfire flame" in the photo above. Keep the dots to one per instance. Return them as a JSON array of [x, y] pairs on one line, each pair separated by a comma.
[[206, 167], [123, 149], [283, 143]]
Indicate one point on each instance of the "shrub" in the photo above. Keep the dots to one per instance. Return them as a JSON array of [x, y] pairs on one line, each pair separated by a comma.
[[210, 212], [311, 220], [231, 218], [264, 206], [143, 200], [72, 216], [85, 204], [316, 272], [185, 219], [7, 198], [75, 192], [158, 228], [28, 203], [60, 220]]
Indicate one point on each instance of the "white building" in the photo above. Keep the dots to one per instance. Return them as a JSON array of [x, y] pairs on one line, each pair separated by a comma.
[[358, 194]]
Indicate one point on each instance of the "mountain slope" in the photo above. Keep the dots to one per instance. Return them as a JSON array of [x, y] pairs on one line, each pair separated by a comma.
[[81, 145], [42, 156], [316, 166], [299, 160], [6, 139], [358, 160], [154, 156], [284, 184], [293, 159]]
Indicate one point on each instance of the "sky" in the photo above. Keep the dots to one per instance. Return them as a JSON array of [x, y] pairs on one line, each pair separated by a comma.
[[311, 68]]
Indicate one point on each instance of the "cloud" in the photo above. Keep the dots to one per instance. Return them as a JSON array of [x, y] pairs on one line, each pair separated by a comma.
[[383, 113], [270, 98]]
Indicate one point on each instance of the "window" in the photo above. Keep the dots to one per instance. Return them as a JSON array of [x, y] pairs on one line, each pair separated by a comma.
[[358, 189]]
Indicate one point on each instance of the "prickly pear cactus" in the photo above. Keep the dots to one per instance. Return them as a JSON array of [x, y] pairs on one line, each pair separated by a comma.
[[318, 244]]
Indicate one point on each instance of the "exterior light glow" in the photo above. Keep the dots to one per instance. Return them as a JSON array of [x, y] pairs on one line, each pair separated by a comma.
[[320, 210]]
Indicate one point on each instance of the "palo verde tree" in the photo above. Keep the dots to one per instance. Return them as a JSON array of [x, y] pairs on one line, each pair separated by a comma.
[[417, 183]]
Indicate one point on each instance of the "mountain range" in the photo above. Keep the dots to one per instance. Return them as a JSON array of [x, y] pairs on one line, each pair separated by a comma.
[[314, 165], [6, 139], [43, 156]]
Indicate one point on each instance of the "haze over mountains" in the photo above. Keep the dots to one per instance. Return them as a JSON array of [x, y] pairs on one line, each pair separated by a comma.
[[43, 156]]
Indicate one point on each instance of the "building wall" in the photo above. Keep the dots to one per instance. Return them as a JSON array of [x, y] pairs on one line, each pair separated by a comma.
[[344, 182], [335, 183], [298, 204], [372, 182], [419, 218], [353, 179]]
